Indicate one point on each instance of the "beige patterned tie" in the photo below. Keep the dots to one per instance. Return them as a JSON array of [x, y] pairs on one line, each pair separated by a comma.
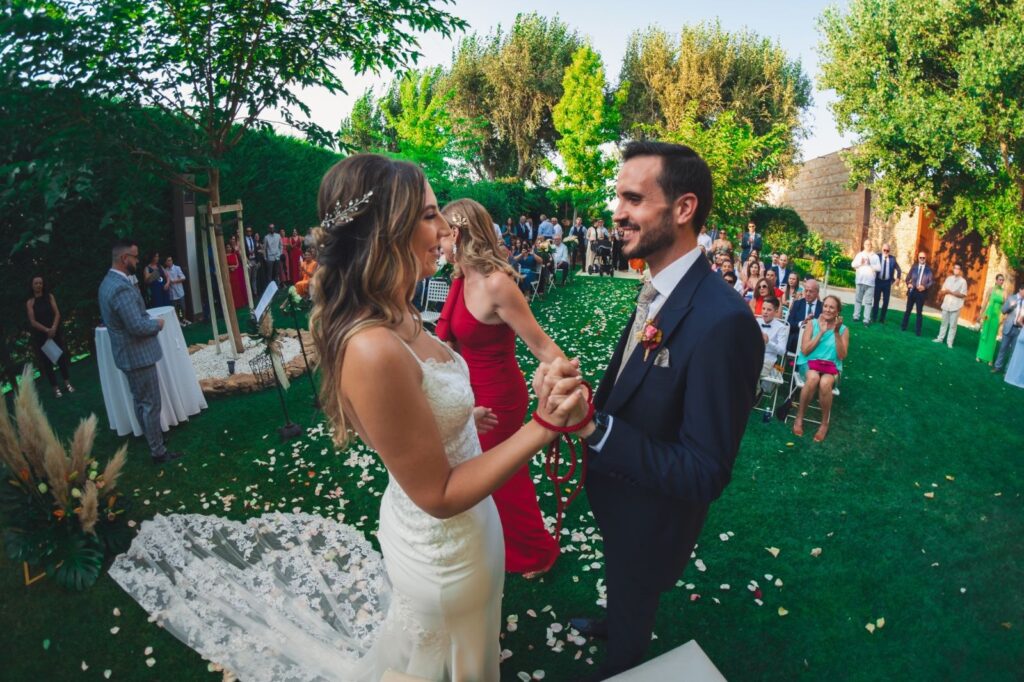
[[643, 304]]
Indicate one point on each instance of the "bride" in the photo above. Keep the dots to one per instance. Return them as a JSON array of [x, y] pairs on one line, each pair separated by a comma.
[[300, 597]]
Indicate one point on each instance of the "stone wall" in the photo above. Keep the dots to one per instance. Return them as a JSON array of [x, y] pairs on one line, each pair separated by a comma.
[[818, 193]]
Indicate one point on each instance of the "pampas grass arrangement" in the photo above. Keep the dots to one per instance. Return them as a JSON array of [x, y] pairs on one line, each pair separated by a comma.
[[59, 510]]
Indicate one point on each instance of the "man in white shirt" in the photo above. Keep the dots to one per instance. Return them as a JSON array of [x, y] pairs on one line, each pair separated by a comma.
[[775, 333], [272, 252], [952, 293], [868, 266], [560, 257], [704, 240], [177, 288]]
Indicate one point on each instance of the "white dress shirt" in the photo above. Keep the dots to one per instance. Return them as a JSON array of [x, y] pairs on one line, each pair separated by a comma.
[[778, 336]]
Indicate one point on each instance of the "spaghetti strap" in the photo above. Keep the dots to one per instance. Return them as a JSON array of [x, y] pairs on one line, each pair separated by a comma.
[[454, 357]]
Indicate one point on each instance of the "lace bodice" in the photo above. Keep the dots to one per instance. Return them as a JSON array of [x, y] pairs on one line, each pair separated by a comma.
[[443, 541]]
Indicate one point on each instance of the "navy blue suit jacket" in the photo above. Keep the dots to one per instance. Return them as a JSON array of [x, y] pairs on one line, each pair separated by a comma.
[[797, 314], [676, 429]]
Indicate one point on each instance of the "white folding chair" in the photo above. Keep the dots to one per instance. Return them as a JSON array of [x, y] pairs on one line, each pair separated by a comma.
[[775, 377], [796, 384], [534, 285], [437, 292]]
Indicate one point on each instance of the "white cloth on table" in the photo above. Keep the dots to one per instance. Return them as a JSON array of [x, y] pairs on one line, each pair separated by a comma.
[[180, 395]]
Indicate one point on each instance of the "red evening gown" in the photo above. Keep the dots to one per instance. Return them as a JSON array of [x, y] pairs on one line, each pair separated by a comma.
[[498, 383], [237, 277], [295, 260]]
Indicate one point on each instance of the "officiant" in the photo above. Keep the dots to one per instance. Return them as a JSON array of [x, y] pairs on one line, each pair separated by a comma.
[[47, 336]]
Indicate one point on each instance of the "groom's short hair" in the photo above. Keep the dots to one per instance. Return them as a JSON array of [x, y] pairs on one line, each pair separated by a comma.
[[682, 171]]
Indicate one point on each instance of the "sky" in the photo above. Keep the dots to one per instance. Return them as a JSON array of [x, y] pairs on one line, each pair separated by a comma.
[[608, 25]]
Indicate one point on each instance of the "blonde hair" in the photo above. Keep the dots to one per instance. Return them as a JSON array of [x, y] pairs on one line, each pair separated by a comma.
[[477, 243], [366, 275]]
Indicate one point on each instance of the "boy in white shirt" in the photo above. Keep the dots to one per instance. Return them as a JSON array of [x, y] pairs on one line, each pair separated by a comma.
[[775, 333], [176, 278]]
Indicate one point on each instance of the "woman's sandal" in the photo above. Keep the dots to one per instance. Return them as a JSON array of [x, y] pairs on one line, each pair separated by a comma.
[[69, 388], [57, 393]]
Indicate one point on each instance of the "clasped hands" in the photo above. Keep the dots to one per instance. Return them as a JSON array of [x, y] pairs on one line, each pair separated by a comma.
[[561, 398]]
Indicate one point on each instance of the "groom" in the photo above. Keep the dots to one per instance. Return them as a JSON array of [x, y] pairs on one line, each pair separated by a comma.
[[670, 412]]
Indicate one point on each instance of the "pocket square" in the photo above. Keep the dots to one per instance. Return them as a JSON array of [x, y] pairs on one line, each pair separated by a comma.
[[661, 359]]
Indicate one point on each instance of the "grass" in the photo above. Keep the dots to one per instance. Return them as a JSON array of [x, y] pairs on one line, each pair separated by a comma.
[[914, 418]]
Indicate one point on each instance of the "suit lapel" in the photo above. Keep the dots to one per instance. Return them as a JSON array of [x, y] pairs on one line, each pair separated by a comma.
[[671, 315]]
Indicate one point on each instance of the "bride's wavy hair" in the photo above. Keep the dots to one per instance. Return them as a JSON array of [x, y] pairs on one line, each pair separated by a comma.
[[367, 273], [477, 243]]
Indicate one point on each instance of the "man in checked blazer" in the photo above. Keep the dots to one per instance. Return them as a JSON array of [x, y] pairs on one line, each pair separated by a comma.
[[133, 342]]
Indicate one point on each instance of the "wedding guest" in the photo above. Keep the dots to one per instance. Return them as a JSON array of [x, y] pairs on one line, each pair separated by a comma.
[[792, 291], [176, 289], [751, 241], [254, 256], [591, 246], [579, 231], [773, 283], [721, 244], [1013, 308], [272, 252], [156, 282], [704, 240], [236, 275], [781, 268], [991, 308], [546, 228], [482, 317], [508, 232], [45, 324], [802, 310], [293, 256], [867, 265], [775, 334], [528, 263], [560, 257], [752, 279], [824, 344], [730, 277], [919, 280], [952, 293], [889, 273], [1015, 368], [308, 268], [760, 291]]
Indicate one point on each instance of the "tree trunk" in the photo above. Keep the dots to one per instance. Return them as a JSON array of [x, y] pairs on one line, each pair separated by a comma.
[[229, 302]]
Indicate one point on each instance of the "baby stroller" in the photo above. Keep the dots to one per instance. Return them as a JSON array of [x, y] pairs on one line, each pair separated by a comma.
[[602, 264]]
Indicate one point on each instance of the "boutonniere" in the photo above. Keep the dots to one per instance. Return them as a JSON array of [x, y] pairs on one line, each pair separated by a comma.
[[649, 337]]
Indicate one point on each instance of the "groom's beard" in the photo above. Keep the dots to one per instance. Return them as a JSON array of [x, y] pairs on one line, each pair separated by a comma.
[[650, 239]]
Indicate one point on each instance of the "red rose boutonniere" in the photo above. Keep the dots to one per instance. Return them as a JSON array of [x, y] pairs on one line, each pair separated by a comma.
[[649, 337]]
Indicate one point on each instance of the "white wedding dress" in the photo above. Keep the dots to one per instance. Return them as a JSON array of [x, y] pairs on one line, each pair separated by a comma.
[[297, 597]]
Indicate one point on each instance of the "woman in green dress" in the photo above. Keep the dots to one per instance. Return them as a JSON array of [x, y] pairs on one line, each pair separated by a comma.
[[990, 321]]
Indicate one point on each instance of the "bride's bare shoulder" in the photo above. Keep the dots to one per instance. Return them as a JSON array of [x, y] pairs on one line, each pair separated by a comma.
[[376, 348]]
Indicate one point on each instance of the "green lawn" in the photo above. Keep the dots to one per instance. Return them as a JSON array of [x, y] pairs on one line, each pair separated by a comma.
[[945, 572]]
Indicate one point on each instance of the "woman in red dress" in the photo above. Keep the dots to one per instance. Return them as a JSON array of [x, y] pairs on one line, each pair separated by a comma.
[[237, 277], [484, 313], [295, 257]]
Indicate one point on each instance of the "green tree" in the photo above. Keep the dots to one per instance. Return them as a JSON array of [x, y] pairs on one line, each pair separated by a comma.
[[508, 83], [739, 159], [933, 92], [365, 129], [219, 66], [425, 129], [585, 118], [707, 72]]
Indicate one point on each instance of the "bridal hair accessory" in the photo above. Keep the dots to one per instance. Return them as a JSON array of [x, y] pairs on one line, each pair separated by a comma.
[[459, 220], [553, 461], [343, 215]]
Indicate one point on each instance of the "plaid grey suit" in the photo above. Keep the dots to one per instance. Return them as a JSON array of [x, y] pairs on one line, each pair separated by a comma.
[[136, 351]]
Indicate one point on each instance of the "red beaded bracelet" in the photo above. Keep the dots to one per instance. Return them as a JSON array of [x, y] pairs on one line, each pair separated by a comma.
[[566, 429]]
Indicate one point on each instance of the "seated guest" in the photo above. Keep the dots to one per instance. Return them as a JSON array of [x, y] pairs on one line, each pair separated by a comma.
[[773, 283], [792, 291], [823, 347], [803, 309], [774, 332], [759, 293], [560, 257], [527, 262], [730, 277], [308, 267]]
